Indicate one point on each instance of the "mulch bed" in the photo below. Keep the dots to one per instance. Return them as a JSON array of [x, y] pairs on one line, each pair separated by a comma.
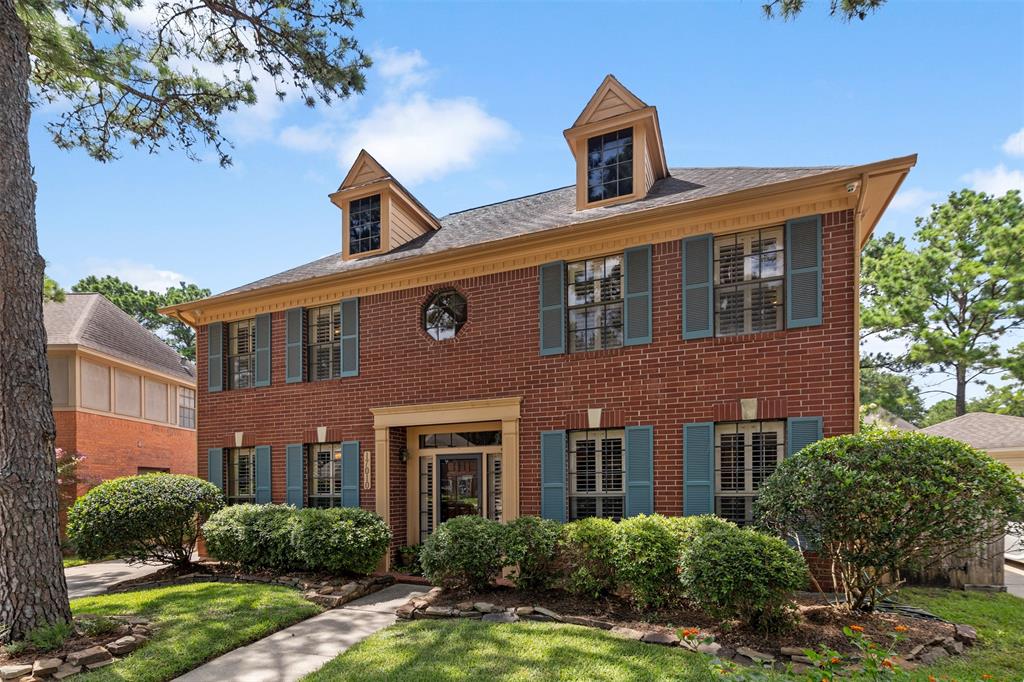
[[215, 568], [818, 624]]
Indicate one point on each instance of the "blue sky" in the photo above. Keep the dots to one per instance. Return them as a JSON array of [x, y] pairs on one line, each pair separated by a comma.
[[467, 103]]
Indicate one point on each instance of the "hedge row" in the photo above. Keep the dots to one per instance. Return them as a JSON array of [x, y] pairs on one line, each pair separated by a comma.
[[655, 561], [280, 538]]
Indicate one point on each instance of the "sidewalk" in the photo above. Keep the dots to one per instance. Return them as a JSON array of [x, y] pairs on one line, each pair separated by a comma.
[[1014, 580], [298, 650], [90, 579]]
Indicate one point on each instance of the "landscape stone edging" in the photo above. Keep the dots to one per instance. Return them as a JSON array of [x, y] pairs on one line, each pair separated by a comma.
[[423, 608]]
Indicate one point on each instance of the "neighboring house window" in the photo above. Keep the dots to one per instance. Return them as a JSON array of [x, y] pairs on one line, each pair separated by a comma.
[[596, 473], [241, 475], [323, 467], [746, 454], [186, 408], [241, 354], [594, 299], [610, 165], [444, 315], [749, 274], [324, 335], [364, 224]]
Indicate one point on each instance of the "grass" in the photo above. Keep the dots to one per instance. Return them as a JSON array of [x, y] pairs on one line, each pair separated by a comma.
[[999, 619], [72, 561], [425, 650], [195, 623]]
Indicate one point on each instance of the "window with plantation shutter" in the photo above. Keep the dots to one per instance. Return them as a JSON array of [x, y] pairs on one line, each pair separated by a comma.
[[324, 342], [746, 454], [748, 275], [242, 354]]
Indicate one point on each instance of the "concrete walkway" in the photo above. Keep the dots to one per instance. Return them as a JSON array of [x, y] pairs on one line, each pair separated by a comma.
[[90, 579], [298, 650], [1014, 580]]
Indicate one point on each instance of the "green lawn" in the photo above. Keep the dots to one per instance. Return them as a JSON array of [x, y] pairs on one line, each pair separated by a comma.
[[71, 561], [425, 650], [195, 623], [429, 650], [999, 619]]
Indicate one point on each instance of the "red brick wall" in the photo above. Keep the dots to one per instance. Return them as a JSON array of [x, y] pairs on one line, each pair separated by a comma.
[[119, 447], [667, 383]]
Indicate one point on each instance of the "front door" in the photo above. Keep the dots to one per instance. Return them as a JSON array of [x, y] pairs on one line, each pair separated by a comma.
[[458, 489]]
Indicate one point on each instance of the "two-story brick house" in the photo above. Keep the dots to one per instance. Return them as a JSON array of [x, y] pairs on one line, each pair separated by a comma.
[[650, 339]]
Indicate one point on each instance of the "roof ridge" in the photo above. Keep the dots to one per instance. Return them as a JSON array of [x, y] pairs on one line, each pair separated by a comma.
[[86, 314]]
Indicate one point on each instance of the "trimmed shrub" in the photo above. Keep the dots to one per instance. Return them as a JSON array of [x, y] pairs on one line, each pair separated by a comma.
[[464, 552], [586, 551], [340, 540], [530, 546], [689, 528], [879, 502], [152, 518], [254, 536], [646, 559], [732, 572]]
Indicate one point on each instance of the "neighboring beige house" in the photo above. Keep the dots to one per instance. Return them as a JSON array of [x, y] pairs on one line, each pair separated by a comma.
[[881, 417], [121, 396], [1001, 436]]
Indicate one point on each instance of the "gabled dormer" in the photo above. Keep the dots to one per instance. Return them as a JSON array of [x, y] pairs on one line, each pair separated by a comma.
[[617, 144], [377, 214]]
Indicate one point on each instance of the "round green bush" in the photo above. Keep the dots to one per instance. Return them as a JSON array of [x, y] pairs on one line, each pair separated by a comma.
[[466, 551], [340, 540], [531, 545], [254, 536], [586, 551], [732, 572], [882, 501], [646, 559], [151, 518]]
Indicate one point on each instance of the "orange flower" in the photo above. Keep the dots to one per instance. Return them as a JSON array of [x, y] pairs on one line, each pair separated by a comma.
[[835, 659], [900, 628], [856, 628], [691, 632], [931, 678], [887, 663]]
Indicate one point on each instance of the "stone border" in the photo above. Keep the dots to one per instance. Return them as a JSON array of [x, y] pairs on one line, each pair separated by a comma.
[[792, 657]]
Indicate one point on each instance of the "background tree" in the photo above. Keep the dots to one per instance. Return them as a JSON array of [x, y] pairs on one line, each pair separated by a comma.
[[893, 392], [142, 304], [956, 294], [847, 9], [52, 292], [165, 84]]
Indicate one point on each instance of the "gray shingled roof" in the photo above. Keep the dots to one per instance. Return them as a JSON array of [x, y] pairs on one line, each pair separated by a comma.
[[983, 430], [546, 211], [91, 321]]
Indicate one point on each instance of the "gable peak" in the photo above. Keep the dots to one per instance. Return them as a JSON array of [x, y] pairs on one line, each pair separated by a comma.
[[611, 98], [365, 169]]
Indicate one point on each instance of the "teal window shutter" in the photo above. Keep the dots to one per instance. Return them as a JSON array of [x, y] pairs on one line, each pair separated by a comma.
[[698, 287], [552, 308], [215, 356], [801, 432], [293, 475], [293, 319], [350, 473], [639, 470], [552, 475], [803, 272], [262, 474], [215, 467], [350, 339], [262, 350], [698, 469], [637, 300]]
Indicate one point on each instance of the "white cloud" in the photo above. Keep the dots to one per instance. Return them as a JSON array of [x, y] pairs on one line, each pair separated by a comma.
[[913, 199], [402, 70], [997, 181], [316, 139], [423, 139], [1014, 145], [142, 275]]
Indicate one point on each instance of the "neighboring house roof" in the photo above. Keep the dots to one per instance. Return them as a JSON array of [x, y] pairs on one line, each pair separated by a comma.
[[882, 417], [91, 321], [983, 430], [545, 211]]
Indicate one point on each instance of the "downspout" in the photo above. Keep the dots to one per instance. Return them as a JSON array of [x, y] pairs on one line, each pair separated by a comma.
[[858, 217]]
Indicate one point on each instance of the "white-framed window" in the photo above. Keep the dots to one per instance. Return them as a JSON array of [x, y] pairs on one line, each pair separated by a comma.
[[324, 342], [241, 353], [749, 281], [323, 475], [186, 407], [596, 473], [746, 454], [241, 475], [594, 298]]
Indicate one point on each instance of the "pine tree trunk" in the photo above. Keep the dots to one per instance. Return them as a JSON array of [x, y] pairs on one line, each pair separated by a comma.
[[961, 391], [32, 587]]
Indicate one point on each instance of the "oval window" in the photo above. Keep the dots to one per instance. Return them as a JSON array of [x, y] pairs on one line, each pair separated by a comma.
[[444, 315]]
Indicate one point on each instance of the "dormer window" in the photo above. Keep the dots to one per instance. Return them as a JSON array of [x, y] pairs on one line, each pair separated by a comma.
[[610, 165], [364, 224]]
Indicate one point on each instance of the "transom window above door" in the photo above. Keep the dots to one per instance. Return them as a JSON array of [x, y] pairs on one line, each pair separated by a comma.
[[594, 298], [596, 470], [749, 276], [746, 454]]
